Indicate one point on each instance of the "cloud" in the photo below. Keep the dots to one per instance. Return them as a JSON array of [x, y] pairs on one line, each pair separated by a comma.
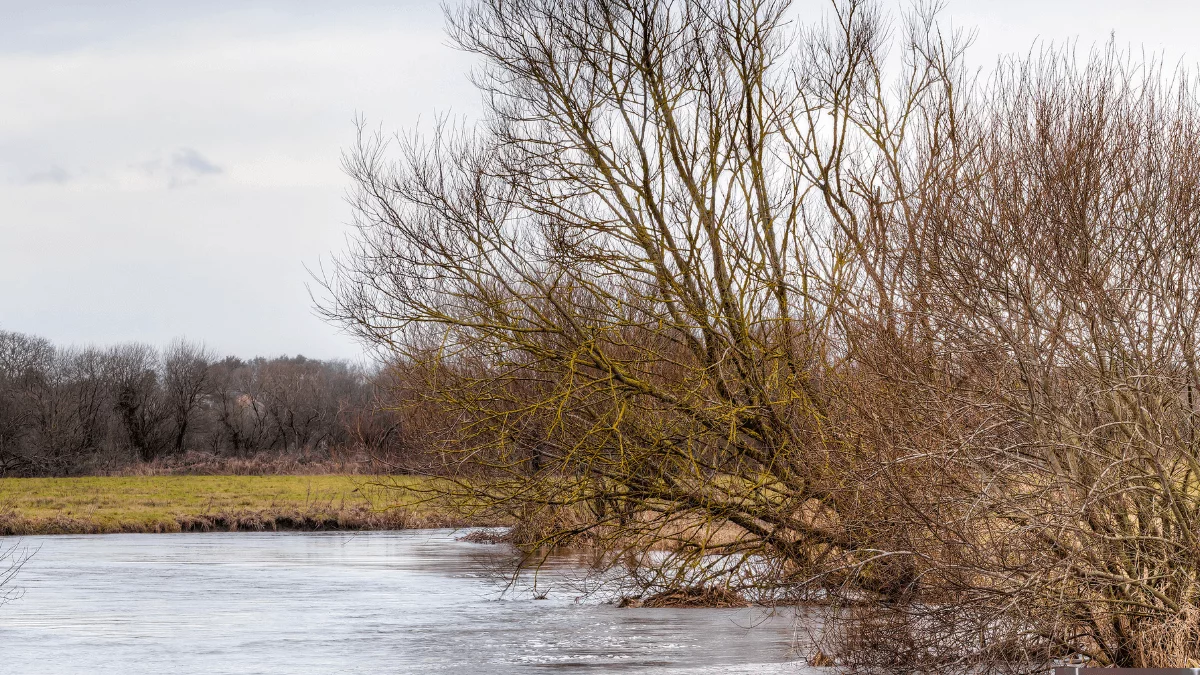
[[55, 175], [182, 168], [244, 108], [190, 160]]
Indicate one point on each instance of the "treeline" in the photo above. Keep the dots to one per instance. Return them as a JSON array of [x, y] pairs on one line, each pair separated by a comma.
[[72, 410]]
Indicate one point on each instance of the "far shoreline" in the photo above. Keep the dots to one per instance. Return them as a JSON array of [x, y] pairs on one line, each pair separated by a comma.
[[218, 503]]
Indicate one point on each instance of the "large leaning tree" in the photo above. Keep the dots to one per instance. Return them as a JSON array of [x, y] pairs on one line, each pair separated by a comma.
[[811, 314], [642, 282]]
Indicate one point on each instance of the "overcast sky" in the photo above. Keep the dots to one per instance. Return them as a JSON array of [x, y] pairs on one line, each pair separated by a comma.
[[169, 168]]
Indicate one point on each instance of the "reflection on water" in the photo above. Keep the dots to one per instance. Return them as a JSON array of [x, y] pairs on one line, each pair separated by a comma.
[[380, 602]]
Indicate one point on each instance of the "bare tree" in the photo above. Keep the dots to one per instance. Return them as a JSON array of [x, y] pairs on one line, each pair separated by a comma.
[[819, 319], [133, 376], [24, 360], [186, 370], [645, 284], [12, 558], [68, 404]]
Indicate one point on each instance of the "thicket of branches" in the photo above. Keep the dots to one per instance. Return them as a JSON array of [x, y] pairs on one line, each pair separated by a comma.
[[67, 410], [814, 312]]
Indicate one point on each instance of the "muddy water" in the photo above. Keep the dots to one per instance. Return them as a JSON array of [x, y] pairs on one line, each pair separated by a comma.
[[381, 602]]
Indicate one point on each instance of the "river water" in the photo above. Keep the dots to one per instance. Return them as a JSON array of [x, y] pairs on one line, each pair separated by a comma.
[[381, 602]]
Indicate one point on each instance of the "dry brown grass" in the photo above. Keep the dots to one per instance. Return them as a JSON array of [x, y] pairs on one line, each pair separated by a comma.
[[195, 463], [110, 504]]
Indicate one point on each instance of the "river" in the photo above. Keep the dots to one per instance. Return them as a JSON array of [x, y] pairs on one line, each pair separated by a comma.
[[380, 602]]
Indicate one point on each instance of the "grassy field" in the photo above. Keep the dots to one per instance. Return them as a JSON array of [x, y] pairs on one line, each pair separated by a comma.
[[201, 503]]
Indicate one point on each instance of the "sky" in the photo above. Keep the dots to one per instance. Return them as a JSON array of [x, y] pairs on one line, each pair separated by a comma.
[[172, 169]]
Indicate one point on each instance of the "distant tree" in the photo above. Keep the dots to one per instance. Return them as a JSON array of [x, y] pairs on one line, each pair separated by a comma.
[[24, 361], [72, 410], [137, 396], [21, 355], [69, 411], [186, 371]]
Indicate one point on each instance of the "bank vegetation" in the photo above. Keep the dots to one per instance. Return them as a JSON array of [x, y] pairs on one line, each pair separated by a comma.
[[253, 503]]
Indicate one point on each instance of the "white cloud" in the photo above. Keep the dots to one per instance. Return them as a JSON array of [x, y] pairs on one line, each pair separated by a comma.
[[181, 168], [249, 113], [55, 175]]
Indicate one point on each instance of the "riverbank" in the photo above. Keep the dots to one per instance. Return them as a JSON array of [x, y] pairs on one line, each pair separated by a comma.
[[132, 504]]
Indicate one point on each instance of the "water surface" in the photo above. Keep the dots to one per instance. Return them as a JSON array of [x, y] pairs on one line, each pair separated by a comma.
[[380, 602]]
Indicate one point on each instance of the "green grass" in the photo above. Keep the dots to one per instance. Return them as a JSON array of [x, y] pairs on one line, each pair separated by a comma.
[[180, 503]]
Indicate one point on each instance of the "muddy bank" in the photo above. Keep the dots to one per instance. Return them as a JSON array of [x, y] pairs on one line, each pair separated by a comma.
[[691, 596], [241, 521]]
